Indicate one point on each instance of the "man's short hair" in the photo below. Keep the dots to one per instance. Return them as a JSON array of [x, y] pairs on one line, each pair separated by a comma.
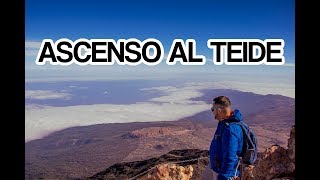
[[222, 100]]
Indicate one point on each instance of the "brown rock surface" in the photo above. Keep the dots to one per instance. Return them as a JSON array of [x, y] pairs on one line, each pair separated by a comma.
[[177, 164], [292, 144], [169, 171], [156, 131], [248, 173], [275, 162]]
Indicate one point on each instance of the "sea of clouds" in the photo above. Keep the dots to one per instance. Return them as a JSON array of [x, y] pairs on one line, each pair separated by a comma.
[[176, 103], [173, 101]]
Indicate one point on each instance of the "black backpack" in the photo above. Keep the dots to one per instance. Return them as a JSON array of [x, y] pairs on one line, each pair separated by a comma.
[[249, 150]]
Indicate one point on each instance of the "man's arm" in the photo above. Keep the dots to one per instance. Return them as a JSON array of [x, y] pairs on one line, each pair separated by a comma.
[[229, 153]]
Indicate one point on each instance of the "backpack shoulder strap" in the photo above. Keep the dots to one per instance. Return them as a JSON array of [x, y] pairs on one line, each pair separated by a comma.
[[246, 130], [243, 126]]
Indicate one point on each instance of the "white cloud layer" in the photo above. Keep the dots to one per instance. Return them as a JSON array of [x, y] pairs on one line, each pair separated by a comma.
[[45, 94], [32, 48], [32, 44], [42, 121], [175, 104]]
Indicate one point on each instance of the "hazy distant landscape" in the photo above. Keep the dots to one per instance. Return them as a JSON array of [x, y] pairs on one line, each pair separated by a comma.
[[90, 137]]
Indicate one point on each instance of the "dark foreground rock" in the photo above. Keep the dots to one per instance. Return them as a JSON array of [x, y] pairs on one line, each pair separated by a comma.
[[176, 159]]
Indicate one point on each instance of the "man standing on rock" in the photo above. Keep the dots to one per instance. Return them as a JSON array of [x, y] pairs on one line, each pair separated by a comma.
[[227, 142]]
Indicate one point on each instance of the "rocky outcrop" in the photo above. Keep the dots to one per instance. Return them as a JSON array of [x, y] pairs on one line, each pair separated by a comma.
[[180, 164], [292, 145], [275, 162], [169, 171], [248, 172]]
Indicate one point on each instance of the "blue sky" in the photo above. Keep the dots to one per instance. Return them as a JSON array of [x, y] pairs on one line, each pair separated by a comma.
[[164, 20]]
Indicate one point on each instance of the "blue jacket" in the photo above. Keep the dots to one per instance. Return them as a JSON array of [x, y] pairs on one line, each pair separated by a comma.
[[225, 149]]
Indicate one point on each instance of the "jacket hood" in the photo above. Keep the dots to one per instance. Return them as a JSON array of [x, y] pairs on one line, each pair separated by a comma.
[[236, 117]]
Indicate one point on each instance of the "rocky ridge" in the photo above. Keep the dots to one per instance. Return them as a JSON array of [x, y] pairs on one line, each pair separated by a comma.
[[275, 162]]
